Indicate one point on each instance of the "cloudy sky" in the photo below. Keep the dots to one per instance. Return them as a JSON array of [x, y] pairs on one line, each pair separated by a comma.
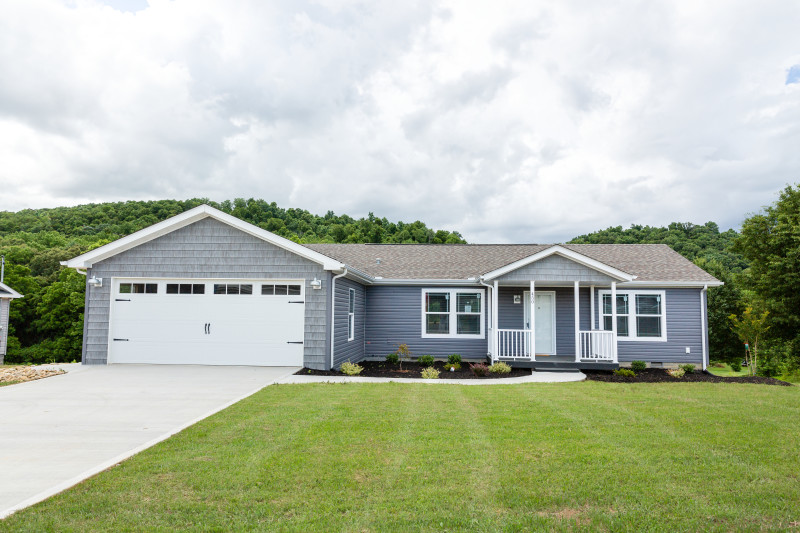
[[527, 121]]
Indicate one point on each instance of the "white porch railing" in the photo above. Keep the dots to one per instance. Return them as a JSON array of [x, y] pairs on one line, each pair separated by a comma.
[[513, 344], [597, 346]]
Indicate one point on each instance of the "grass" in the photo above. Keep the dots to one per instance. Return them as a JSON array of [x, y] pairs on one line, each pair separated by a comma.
[[728, 372], [388, 457]]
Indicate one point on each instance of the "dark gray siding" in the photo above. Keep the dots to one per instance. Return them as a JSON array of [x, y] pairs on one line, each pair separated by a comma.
[[208, 249], [555, 268], [4, 309], [394, 317], [343, 349]]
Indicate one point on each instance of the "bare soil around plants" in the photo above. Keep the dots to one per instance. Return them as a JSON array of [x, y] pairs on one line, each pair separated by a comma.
[[382, 369], [660, 375]]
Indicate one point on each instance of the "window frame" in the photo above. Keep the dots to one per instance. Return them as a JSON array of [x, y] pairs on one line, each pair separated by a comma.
[[453, 313], [351, 314], [633, 326]]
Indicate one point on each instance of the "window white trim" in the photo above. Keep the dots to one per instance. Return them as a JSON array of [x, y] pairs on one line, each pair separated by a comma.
[[453, 314], [351, 315], [631, 314]]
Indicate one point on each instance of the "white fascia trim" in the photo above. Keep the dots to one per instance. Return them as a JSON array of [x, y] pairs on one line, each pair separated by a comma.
[[455, 282], [670, 284], [569, 254], [184, 219], [11, 292]]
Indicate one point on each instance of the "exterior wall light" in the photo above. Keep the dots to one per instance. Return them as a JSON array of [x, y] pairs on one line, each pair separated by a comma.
[[316, 284], [95, 282]]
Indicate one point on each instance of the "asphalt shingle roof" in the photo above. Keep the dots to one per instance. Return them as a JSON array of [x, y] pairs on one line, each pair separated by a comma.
[[648, 262]]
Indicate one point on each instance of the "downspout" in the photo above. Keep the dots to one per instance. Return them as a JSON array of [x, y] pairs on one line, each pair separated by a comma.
[[490, 318], [704, 331], [333, 309]]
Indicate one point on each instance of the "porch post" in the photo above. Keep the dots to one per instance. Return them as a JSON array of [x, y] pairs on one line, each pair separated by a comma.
[[495, 323], [614, 319], [532, 303], [591, 304], [577, 293]]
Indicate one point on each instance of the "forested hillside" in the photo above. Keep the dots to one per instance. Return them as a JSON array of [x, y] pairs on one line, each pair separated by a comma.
[[47, 324]]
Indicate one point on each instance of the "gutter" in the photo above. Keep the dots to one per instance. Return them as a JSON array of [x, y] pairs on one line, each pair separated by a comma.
[[333, 309]]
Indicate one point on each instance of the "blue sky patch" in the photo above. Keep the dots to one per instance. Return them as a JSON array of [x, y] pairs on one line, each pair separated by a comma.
[[793, 76]]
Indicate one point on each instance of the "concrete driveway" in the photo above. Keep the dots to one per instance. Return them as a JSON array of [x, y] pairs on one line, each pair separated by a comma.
[[57, 431]]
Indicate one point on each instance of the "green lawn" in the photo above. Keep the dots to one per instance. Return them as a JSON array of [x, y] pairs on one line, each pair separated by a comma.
[[727, 372], [678, 457]]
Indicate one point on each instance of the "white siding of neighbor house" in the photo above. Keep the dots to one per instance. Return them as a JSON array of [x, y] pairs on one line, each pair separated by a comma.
[[4, 310]]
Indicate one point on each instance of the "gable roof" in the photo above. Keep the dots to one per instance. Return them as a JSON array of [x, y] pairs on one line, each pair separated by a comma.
[[184, 219], [644, 262], [8, 292]]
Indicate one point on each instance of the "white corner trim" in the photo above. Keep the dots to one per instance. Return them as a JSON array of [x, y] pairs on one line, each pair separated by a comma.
[[11, 292], [564, 252], [189, 217]]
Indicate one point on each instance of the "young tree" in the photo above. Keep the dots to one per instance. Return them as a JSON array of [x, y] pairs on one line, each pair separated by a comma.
[[750, 328]]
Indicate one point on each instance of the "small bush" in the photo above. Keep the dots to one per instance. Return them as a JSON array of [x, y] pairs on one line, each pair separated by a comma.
[[479, 369], [688, 368], [736, 366], [638, 366], [351, 369], [717, 364], [500, 368], [676, 372], [625, 373], [454, 359], [454, 366], [392, 358], [426, 360], [430, 373]]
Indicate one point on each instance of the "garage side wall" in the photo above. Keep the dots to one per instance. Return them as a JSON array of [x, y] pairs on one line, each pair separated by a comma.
[[208, 249], [343, 349]]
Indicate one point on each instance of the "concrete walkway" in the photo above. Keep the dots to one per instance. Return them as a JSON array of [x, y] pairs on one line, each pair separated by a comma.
[[58, 431], [535, 377]]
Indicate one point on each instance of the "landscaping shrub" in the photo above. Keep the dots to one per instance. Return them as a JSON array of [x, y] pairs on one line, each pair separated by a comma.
[[430, 373], [479, 369], [426, 360], [638, 366], [688, 368], [625, 373], [454, 366], [500, 368], [717, 364], [351, 369], [736, 366], [454, 359], [393, 358], [676, 372]]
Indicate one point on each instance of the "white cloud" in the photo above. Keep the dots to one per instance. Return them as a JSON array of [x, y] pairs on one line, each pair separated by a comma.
[[510, 121]]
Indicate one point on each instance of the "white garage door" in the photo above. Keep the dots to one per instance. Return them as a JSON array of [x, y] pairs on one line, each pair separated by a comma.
[[207, 322]]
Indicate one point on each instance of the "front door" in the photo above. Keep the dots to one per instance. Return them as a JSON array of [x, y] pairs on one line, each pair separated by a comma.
[[545, 321]]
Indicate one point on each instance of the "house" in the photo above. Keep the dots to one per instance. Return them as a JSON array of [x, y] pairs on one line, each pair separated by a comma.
[[204, 287], [6, 295]]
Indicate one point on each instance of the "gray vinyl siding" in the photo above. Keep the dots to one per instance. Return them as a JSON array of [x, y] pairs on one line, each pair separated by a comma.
[[4, 309], [344, 350], [209, 249], [555, 268], [394, 317], [684, 328]]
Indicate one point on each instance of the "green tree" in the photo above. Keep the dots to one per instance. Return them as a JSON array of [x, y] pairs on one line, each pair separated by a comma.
[[751, 328]]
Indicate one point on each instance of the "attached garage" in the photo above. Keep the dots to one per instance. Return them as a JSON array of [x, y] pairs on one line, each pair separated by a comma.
[[207, 321]]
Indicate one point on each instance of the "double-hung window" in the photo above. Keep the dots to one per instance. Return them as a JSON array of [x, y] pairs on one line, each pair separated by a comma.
[[640, 315], [453, 312], [351, 316]]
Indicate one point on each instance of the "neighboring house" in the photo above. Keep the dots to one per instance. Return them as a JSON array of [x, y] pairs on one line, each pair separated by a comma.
[[6, 295], [205, 287]]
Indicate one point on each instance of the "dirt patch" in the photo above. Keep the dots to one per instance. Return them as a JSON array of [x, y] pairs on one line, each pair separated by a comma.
[[382, 369], [21, 374], [660, 375]]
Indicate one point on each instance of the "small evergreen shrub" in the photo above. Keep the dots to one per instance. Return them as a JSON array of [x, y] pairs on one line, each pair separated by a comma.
[[454, 366], [426, 360], [454, 359], [736, 366], [430, 373], [688, 368], [393, 358], [625, 373], [479, 369], [500, 368], [351, 369], [638, 366], [676, 372]]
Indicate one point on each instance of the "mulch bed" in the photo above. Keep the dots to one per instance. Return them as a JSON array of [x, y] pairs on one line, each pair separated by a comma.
[[660, 375], [382, 369]]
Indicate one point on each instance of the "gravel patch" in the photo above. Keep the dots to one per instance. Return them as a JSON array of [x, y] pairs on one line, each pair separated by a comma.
[[21, 374]]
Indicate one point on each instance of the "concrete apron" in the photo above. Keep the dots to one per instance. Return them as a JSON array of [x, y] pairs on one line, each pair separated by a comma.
[[58, 431]]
